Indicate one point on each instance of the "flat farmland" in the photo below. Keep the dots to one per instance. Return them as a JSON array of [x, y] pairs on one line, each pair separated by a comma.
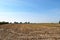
[[43, 31]]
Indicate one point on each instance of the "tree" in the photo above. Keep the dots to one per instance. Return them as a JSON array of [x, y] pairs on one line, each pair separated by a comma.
[[28, 22], [15, 22], [4, 22], [20, 22], [25, 23], [59, 22]]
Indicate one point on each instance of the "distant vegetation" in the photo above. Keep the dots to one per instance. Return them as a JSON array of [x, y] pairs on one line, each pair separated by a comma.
[[59, 22], [3, 22], [27, 23], [14, 23]]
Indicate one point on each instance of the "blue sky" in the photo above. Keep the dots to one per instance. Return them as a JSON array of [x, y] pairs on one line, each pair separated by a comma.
[[39, 11]]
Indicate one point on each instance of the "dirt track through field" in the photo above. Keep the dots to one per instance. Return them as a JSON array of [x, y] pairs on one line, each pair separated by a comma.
[[19, 32]]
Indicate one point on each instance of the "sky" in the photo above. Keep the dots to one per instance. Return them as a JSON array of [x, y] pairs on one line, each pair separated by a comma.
[[35, 11]]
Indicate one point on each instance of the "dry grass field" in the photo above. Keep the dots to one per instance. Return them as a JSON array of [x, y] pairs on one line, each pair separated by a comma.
[[43, 31]]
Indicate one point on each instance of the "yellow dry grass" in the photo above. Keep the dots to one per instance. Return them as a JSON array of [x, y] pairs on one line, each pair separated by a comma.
[[43, 31], [31, 25]]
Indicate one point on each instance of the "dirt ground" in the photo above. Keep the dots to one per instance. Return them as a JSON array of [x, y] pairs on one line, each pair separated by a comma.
[[30, 32]]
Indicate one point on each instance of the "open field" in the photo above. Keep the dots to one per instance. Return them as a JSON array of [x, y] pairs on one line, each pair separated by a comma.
[[30, 31]]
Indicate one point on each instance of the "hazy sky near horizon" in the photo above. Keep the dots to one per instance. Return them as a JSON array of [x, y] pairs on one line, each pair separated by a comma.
[[30, 10]]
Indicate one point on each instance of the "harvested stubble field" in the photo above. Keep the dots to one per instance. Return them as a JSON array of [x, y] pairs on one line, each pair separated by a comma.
[[30, 32]]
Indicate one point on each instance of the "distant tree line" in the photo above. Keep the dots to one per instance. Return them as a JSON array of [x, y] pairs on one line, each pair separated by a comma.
[[3, 22], [21, 23], [14, 23]]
